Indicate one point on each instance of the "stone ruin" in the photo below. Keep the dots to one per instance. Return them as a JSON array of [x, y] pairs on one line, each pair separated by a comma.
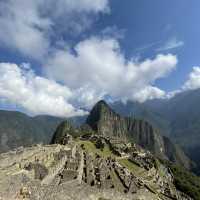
[[108, 174], [143, 159], [60, 164], [67, 139], [63, 164]]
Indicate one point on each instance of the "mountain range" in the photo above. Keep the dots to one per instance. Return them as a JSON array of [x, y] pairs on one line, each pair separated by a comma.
[[109, 156], [109, 131], [104, 121], [177, 118], [18, 129]]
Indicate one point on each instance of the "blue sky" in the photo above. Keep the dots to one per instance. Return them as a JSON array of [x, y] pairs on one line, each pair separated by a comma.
[[157, 22], [55, 59]]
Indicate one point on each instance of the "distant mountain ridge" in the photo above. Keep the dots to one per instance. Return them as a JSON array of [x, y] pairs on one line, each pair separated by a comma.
[[178, 118], [18, 129], [104, 121]]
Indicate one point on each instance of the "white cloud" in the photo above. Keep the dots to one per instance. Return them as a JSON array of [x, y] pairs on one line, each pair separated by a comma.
[[148, 93], [193, 81], [147, 47], [100, 66], [22, 28], [86, 97], [173, 93], [113, 32], [97, 68], [37, 95], [63, 6], [172, 43], [26, 26]]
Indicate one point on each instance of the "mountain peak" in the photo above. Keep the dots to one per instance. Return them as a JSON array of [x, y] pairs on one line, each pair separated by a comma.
[[101, 104], [101, 110], [106, 122]]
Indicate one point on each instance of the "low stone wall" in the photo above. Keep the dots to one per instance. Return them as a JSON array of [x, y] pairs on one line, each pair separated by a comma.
[[54, 171], [80, 169]]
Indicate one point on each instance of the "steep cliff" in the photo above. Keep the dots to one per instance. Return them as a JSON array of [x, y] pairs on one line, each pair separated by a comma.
[[107, 122]]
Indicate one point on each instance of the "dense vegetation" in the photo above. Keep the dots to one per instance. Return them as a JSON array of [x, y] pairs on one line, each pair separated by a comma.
[[185, 181], [177, 118], [91, 147]]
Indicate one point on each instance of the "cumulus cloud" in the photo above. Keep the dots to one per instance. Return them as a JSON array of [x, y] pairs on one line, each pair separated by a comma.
[[99, 65], [193, 81], [93, 69], [64, 6], [27, 26], [37, 95], [148, 93], [172, 43], [173, 93], [20, 32]]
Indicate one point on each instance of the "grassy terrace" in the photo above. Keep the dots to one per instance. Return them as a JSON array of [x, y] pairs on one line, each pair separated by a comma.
[[117, 182], [106, 152], [129, 165], [90, 147]]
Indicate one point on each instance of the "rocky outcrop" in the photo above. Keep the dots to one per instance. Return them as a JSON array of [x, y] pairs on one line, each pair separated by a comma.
[[107, 122], [66, 130], [63, 132]]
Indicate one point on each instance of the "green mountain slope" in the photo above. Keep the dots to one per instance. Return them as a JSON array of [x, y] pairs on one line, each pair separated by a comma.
[[18, 129], [178, 118], [104, 121]]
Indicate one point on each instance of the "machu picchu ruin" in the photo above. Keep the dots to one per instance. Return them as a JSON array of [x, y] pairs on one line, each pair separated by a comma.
[[61, 170], [96, 161]]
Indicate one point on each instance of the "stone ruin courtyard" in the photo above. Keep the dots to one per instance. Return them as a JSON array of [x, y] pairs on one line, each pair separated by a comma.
[[79, 170]]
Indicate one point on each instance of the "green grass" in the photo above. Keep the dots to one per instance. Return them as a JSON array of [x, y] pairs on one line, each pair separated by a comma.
[[159, 168], [129, 165], [90, 147], [117, 183], [184, 180]]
